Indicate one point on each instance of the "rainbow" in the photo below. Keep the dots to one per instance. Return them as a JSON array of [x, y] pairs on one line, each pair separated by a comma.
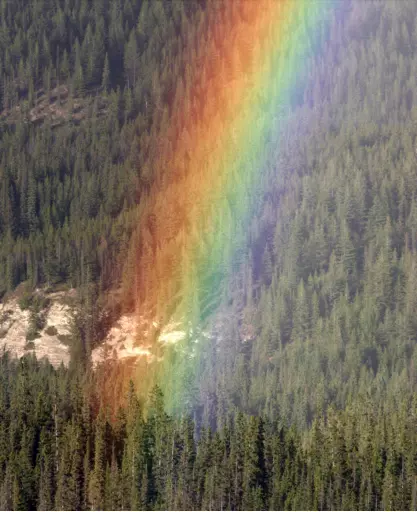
[[209, 165]]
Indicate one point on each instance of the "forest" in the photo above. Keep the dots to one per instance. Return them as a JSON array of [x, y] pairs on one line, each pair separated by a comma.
[[60, 450], [305, 395]]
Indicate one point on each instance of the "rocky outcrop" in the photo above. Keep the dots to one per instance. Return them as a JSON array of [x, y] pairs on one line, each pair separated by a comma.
[[52, 339]]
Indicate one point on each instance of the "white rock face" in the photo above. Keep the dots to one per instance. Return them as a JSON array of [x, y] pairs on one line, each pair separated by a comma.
[[172, 333], [122, 342], [14, 324], [133, 338]]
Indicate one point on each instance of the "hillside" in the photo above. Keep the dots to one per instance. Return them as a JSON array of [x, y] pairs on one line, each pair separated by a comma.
[[322, 290], [68, 186], [318, 307], [329, 281], [208, 214]]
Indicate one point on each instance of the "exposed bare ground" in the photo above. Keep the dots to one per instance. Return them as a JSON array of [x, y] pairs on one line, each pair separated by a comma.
[[134, 338], [14, 324], [58, 108], [122, 342], [131, 339]]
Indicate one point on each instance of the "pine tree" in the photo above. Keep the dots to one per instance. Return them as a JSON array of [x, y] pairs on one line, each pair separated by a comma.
[[105, 80]]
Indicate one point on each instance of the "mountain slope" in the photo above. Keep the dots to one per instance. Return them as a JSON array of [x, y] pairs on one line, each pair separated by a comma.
[[320, 303], [329, 285]]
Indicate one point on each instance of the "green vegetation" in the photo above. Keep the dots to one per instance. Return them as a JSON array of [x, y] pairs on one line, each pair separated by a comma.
[[306, 396], [32, 334], [70, 186], [36, 303], [51, 330], [67, 193], [25, 300], [60, 452], [64, 338], [328, 285]]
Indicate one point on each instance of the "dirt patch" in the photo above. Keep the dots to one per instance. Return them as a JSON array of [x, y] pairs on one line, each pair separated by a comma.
[[58, 107], [50, 339], [122, 342]]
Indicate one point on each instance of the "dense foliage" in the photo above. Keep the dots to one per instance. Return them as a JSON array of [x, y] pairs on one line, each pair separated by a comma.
[[82, 87], [59, 450], [324, 307], [84, 90], [309, 384]]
